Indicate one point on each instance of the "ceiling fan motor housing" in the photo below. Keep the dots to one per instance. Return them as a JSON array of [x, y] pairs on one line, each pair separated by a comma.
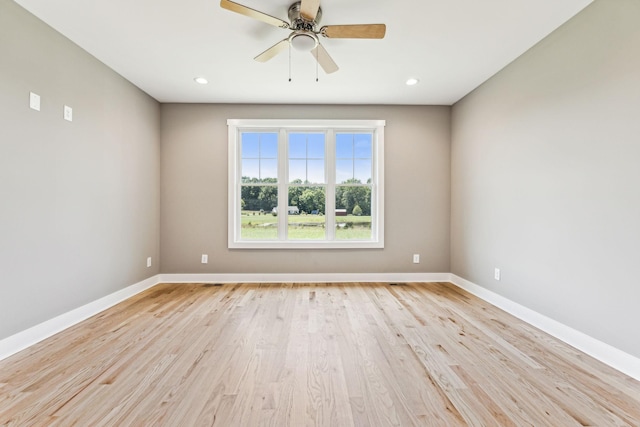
[[298, 22]]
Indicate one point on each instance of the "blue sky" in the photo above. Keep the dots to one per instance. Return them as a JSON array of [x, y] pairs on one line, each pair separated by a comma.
[[307, 156], [353, 157]]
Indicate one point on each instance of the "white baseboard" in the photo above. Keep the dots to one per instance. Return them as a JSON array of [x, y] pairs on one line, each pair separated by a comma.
[[599, 350], [35, 334], [305, 278]]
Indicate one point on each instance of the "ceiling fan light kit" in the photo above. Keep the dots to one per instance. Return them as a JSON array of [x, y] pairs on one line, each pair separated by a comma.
[[304, 17], [303, 41]]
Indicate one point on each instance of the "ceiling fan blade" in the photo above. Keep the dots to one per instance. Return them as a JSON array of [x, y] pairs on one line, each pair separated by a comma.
[[323, 58], [362, 31], [309, 9], [252, 13], [272, 51]]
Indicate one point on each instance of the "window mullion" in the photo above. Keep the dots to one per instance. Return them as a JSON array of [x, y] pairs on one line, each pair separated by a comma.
[[283, 183], [235, 171], [330, 178], [377, 185]]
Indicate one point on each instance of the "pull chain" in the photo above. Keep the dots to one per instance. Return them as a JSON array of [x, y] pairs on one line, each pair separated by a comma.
[[289, 62], [317, 63]]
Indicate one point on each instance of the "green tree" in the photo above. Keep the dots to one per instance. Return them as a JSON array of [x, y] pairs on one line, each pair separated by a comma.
[[295, 192], [268, 197], [312, 198], [258, 197], [350, 196], [365, 204], [357, 211]]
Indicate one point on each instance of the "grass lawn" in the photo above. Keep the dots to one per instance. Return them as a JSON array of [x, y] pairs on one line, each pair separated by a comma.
[[304, 227]]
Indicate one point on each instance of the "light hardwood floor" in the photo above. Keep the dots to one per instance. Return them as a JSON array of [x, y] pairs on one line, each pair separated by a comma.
[[299, 354]]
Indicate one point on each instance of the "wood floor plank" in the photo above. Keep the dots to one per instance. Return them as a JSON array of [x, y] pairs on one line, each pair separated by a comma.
[[345, 354]]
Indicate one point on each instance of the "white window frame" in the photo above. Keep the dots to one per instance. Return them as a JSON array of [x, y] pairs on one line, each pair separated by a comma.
[[329, 127]]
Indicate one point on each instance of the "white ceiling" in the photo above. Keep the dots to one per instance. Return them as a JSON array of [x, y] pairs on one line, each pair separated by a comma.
[[452, 46]]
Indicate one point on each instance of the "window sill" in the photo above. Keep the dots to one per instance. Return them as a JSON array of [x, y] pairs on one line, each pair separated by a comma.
[[306, 245]]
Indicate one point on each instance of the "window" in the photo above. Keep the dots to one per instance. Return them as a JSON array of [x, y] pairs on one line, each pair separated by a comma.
[[306, 183]]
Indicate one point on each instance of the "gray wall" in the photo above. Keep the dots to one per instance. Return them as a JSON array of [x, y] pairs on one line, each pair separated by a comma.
[[79, 202], [194, 192], [546, 177]]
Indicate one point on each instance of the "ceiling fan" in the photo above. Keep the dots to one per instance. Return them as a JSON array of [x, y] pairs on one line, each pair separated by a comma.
[[304, 17]]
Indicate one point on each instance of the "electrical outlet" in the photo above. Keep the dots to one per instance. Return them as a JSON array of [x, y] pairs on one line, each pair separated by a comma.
[[149, 262], [205, 258], [496, 274], [416, 258]]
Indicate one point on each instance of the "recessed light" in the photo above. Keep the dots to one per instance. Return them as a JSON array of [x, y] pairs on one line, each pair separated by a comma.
[[412, 82], [201, 80]]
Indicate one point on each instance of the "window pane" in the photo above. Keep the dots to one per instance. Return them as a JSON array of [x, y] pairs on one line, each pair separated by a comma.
[[259, 157], [306, 220], [344, 145], [297, 171], [315, 146], [297, 146], [344, 171], [269, 145], [306, 158], [250, 170], [250, 143], [353, 212], [362, 171], [362, 146], [269, 170], [257, 220], [353, 158], [315, 171]]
